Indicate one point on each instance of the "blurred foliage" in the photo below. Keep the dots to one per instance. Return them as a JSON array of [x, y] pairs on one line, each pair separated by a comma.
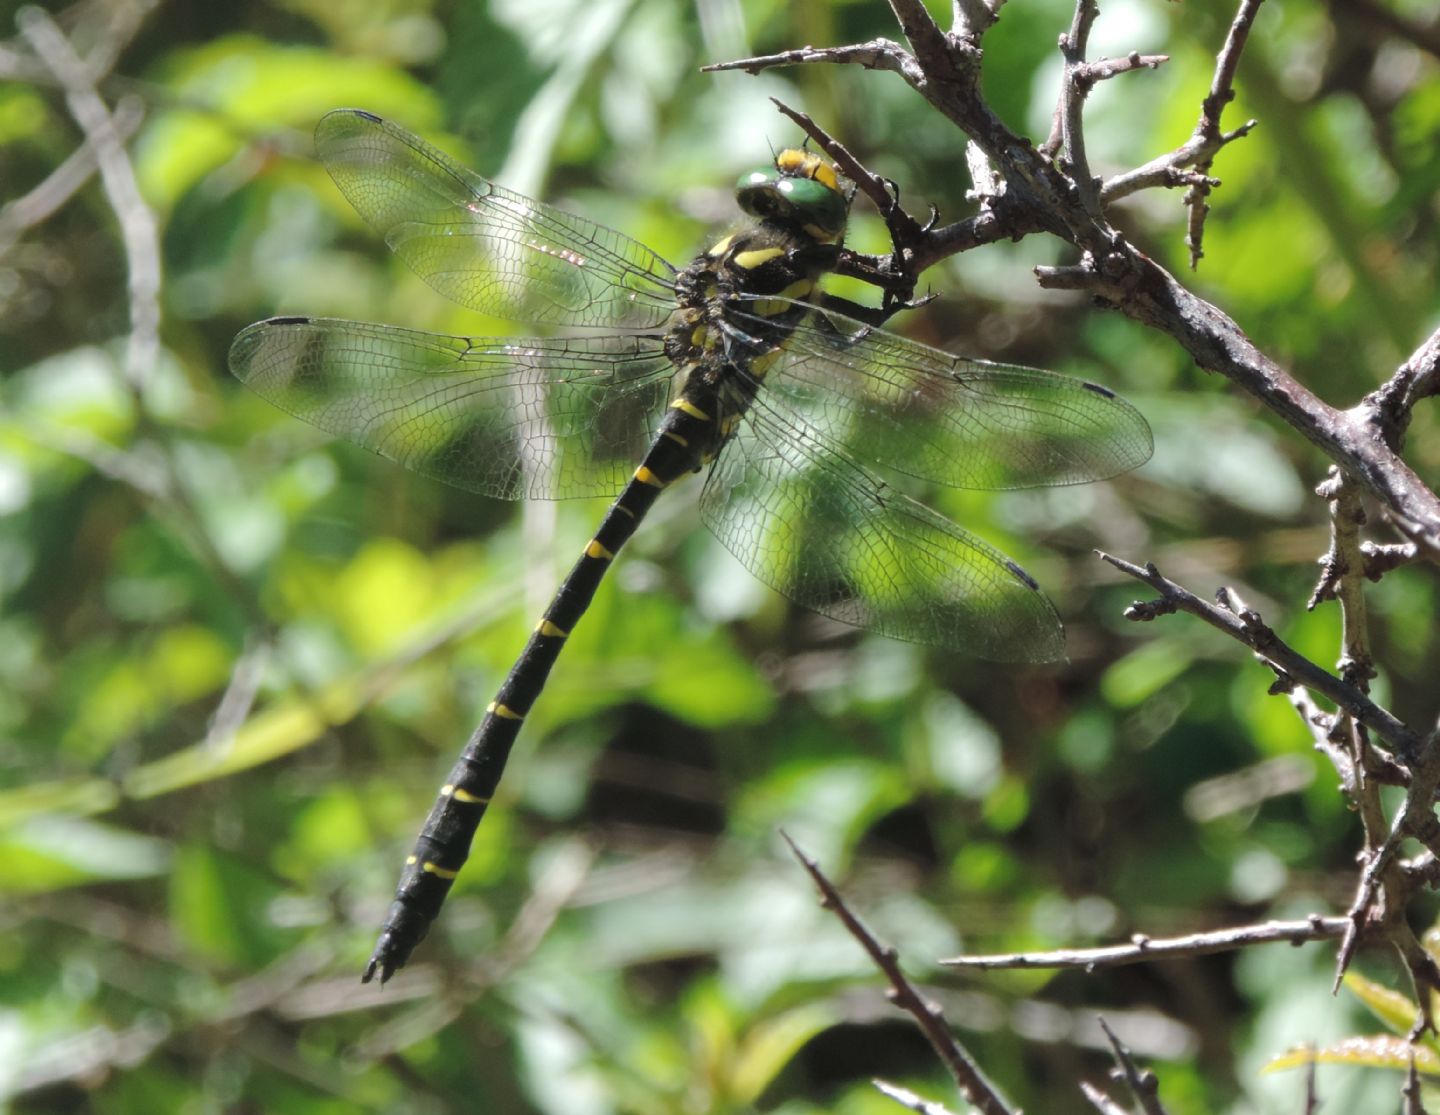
[[235, 660]]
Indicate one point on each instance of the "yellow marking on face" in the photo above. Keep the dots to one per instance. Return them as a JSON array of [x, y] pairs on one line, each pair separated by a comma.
[[720, 247], [795, 161], [439, 872], [756, 256], [823, 235], [806, 164], [687, 407], [595, 550], [645, 476], [504, 712], [550, 631]]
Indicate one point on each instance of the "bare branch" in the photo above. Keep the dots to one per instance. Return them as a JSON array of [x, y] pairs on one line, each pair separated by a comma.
[[1145, 950], [64, 181], [1383, 875], [1212, 138], [1342, 578], [1102, 69], [137, 224], [1246, 627], [1199, 151], [926, 38], [1068, 111], [967, 1075], [877, 54]]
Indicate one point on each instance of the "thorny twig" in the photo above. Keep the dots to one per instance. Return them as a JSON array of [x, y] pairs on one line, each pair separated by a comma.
[[1143, 949], [1246, 626], [1143, 1084], [966, 1073]]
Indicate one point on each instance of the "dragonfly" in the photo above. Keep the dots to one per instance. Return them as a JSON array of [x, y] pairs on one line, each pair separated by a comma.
[[736, 366]]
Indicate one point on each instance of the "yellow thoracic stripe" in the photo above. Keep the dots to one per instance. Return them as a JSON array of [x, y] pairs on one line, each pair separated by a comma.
[[504, 712], [685, 406], [720, 247], [550, 631], [757, 256], [595, 550]]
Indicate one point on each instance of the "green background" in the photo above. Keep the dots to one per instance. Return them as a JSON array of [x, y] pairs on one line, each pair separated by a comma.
[[236, 658]]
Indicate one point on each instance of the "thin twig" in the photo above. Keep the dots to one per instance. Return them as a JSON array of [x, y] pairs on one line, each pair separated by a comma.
[[1213, 138], [967, 1075], [138, 228], [1246, 627], [1342, 578], [1068, 133], [1102, 69], [1143, 1084], [1381, 876], [1143, 949], [877, 54], [908, 1099], [61, 184], [1198, 152]]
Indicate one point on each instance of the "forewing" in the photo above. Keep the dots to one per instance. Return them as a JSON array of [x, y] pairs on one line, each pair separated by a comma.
[[810, 522], [950, 419], [546, 419], [486, 247]]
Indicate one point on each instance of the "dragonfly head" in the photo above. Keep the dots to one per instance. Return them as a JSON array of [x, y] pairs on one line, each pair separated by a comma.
[[801, 190]]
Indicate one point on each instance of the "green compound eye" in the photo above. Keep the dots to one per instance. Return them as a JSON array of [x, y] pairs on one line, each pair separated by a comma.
[[772, 195]]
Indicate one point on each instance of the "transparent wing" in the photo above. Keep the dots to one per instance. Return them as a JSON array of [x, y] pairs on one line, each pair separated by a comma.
[[809, 521], [509, 418], [956, 421], [484, 246]]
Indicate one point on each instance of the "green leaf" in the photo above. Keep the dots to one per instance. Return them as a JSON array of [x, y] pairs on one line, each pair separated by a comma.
[[769, 1046], [1391, 1007], [1380, 1051]]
